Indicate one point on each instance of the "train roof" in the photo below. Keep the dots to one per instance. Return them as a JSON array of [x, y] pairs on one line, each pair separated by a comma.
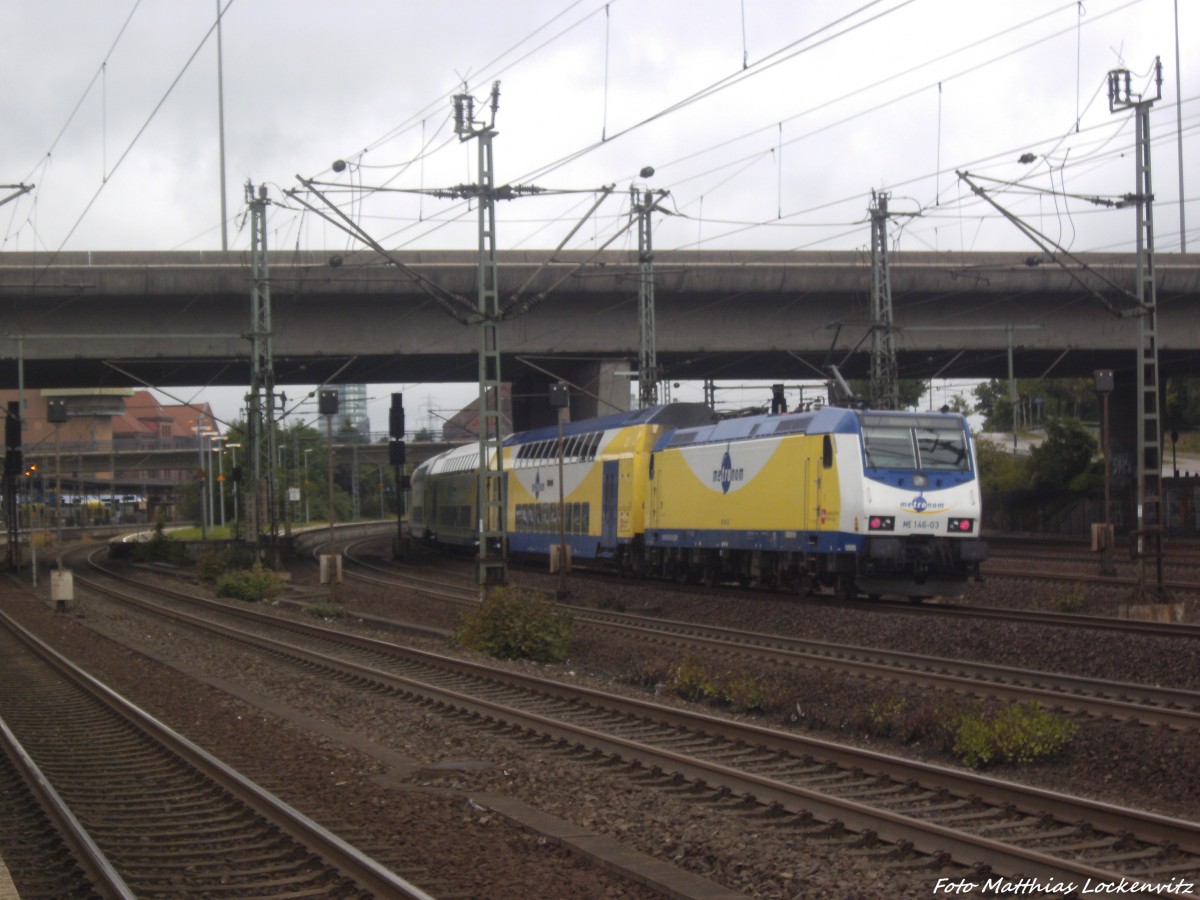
[[674, 415], [827, 420]]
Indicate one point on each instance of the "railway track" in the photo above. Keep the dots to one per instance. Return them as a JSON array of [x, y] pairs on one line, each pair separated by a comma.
[[455, 592], [139, 811], [818, 786], [1044, 617], [1189, 586], [1075, 562], [39, 844], [1148, 704]]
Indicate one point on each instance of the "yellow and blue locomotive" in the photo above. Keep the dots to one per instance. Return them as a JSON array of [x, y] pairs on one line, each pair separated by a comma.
[[854, 500]]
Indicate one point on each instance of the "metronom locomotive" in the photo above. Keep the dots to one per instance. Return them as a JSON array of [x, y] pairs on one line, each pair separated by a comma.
[[857, 501]]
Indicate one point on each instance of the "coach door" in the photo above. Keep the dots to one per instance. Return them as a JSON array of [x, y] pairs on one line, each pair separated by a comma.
[[608, 501]]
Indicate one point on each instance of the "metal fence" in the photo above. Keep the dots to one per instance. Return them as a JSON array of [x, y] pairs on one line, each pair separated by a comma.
[[1071, 514]]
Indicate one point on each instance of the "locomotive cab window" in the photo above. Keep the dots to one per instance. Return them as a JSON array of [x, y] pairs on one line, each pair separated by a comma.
[[941, 448], [827, 452], [920, 442], [889, 448]]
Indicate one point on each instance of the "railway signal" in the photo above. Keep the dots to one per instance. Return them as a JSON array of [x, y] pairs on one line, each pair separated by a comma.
[[397, 456]]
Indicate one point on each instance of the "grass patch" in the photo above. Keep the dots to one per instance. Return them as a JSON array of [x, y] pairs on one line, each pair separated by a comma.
[[325, 611], [215, 533]]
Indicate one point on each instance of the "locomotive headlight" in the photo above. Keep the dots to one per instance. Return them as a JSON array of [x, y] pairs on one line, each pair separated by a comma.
[[881, 523], [961, 526]]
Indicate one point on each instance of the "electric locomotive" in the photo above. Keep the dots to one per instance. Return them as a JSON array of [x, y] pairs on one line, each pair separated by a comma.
[[854, 500]]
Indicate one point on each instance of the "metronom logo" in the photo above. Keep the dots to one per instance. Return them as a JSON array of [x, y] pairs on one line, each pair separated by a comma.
[[727, 474]]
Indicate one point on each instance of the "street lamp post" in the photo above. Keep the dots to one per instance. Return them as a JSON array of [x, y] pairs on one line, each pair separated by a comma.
[[307, 518], [212, 517], [206, 452], [219, 449], [199, 427], [56, 414], [234, 448]]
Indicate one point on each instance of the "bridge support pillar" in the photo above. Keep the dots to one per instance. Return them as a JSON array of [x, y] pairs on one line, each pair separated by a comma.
[[1123, 439], [596, 390]]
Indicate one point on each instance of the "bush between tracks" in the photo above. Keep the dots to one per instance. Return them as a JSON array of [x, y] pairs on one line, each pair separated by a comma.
[[1017, 733], [252, 585], [516, 624], [212, 566], [692, 679], [160, 548], [1071, 599]]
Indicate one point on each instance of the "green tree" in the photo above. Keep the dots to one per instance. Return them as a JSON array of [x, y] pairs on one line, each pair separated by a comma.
[[1040, 401], [1183, 403], [991, 400], [910, 391], [1065, 458], [302, 460], [1000, 469], [960, 404]]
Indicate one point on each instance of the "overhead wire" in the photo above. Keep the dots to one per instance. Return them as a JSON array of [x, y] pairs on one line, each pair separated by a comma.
[[1092, 161], [87, 90], [908, 94], [972, 68], [46, 157], [768, 62], [489, 71], [704, 92], [771, 60], [132, 143], [492, 69]]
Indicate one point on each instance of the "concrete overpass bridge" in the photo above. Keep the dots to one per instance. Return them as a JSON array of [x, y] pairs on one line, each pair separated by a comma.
[[85, 319]]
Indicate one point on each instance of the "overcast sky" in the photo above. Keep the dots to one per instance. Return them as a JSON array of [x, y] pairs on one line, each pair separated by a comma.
[[769, 122]]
